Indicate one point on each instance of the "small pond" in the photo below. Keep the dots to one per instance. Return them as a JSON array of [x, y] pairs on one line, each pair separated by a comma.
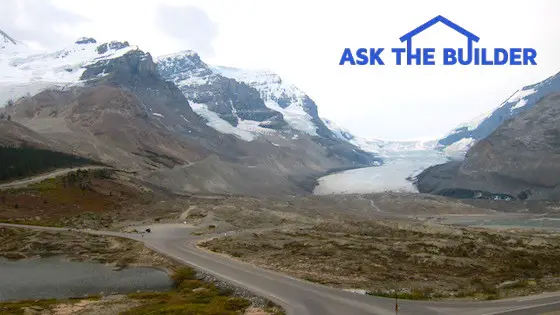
[[56, 277]]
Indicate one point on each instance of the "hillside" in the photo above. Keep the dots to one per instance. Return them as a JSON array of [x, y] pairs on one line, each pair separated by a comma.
[[459, 140], [177, 123], [519, 160]]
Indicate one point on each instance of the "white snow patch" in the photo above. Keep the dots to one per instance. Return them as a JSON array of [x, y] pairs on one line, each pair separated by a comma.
[[474, 123], [253, 127], [340, 132], [272, 88], [386, 147], [519, 104], [295, 116], [32, 71], [192, 81], [157, 114], [62, 66], [458, 149], [214, 121], [519, 98]]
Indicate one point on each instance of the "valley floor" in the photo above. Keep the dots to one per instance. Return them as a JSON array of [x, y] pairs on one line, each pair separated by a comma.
[[372, 243]]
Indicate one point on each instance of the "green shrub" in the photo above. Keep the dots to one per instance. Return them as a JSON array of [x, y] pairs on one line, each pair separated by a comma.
[[237, 304], [181, 275]]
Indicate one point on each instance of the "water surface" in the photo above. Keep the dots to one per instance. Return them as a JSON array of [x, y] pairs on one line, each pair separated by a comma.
[[57, 277]]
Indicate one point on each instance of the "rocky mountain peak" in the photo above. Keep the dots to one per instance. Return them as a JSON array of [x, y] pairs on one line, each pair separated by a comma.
[[131, 65], [182, 65], [8, 44], [114, 45], [85, 40], [233, 101]]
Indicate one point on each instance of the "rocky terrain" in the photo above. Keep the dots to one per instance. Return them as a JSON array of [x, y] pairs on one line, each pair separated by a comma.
[[458, 141], [177, 123], [13, 134], [519, 160], [419, 261]]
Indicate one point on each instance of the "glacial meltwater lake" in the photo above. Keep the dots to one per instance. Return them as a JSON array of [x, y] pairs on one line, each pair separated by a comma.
[[56, 277], [391, 176]]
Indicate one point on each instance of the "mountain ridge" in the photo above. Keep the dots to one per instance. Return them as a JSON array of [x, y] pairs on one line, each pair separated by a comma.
[[519, 160], [114, 103], [464, 136]]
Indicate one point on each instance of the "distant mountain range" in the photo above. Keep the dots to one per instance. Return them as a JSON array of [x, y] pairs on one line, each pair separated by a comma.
[[177, 121], [378, 146]]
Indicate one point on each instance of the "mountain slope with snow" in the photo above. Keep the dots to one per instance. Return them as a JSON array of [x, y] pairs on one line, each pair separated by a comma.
[[9, 45], [519, 160], [299, 111], [178, 123], [30, 72], [233, 102], [464, 136], [253, 104], [378, 146]]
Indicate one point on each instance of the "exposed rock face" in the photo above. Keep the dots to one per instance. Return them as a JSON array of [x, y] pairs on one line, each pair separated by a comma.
[[298, 109], [114, 105], [86, 40], [520, 159], [107, 124], [521, 101], [230, 99]]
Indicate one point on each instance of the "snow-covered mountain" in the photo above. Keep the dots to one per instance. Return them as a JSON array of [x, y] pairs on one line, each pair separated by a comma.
[[253, 104], [238, 101], [29, 72], [458, 141], [298, 110], [228, 105], [378, 146], [9, 44], [177, 123]]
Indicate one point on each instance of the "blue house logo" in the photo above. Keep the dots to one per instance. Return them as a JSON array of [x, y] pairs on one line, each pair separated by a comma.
[[470, 55]]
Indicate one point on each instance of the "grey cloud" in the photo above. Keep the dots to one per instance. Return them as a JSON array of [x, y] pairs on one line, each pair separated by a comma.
[[190, 25], [42, 18]]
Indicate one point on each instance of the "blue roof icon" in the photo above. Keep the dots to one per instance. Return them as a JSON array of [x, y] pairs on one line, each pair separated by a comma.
[[443, 20]]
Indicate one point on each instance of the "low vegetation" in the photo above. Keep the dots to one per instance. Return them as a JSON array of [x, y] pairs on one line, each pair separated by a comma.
[[22, 243], [418, 261], [84, 198], [190, 296], [39, 306]]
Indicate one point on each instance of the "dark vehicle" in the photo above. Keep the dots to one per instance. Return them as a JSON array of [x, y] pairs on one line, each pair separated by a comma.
[[148, 230]]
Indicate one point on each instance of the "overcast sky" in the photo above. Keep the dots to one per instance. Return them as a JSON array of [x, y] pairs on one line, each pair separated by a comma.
[[303, 42]]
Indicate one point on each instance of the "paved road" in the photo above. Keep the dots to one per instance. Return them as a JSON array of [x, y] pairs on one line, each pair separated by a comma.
[[300, 297], [42, 177]]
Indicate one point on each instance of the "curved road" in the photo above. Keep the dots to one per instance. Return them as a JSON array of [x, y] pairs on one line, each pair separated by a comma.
[[300, 297]]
